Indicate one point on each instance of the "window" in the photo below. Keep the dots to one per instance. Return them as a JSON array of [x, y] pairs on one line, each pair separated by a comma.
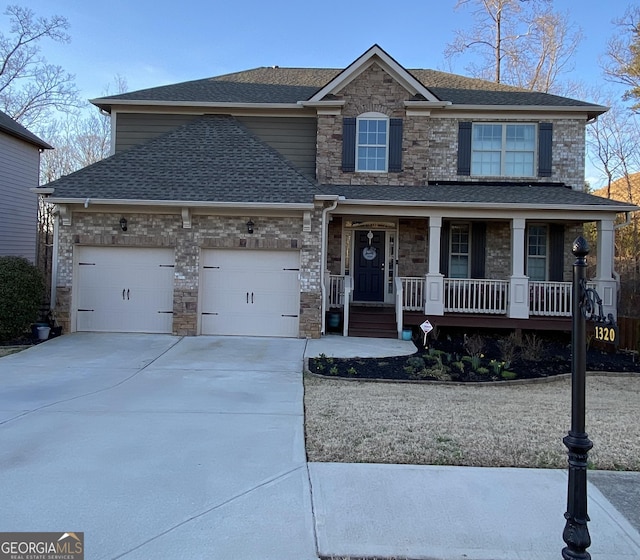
[[503, 150], [537, 253], [372, 142], [459, 251]]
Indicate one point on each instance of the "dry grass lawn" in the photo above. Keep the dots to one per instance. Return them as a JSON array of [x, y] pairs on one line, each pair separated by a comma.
[[514, 425]]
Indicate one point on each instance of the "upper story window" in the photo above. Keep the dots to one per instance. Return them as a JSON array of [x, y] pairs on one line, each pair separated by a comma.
[[503, 150], [372, 142]]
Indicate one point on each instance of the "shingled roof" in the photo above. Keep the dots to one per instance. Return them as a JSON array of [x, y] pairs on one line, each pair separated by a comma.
[[291, 85], [13, 128], [540, 195], [210, 159]]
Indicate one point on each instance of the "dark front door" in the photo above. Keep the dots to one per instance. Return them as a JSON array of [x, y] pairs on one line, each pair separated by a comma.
[[369, 267]]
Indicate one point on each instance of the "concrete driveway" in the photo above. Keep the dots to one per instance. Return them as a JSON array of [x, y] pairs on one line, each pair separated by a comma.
[[158, 446]]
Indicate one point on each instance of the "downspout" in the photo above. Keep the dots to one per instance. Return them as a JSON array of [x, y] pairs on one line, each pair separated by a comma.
[[54, 260], [323, 263]]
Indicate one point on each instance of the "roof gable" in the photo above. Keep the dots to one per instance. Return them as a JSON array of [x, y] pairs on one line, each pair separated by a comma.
[[212, 159], [13, 128], [375, 55]]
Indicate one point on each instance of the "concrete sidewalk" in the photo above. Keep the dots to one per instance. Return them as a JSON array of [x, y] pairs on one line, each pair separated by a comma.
[[451, 513]]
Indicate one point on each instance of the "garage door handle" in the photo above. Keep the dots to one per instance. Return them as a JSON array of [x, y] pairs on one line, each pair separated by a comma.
[[251, 297], [127, 294], [123, 293], [247, 297]]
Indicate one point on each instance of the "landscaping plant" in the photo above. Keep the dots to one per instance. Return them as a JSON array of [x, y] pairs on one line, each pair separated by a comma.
[[21, 292]]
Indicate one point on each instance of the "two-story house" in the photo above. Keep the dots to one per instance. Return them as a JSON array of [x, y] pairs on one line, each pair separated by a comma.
[[19, 173], [256, 202]]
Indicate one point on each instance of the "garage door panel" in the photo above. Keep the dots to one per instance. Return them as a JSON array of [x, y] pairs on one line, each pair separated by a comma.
[[124, 289], [251, 293]]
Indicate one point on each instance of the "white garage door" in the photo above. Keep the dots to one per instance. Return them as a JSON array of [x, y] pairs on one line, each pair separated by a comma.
[[124, 289], [250, 293]]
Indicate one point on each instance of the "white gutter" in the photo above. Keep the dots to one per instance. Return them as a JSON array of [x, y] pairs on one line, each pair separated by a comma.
[[100, 102], [488, 205], [323, 262], [183, 203]]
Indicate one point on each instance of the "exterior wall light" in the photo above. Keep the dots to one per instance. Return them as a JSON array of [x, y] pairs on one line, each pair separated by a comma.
[[123, 224], [250, 225]]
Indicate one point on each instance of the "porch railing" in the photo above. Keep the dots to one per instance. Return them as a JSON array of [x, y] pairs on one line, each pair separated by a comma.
[[463, 295], [336, 290], [412, 293], [551, 299]]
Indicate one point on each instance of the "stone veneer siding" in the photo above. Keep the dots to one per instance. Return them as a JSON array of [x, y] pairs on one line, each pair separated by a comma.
[[413, 252], [207, 231], [498, 251], [430, 143]]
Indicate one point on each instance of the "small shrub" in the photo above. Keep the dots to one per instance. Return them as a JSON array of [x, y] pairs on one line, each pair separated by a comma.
[[475, 362], [333, 370], [416, 362], [482, 371], [474, 345], [532, 347], [509, 375], [21, 292], [508, 347], [352, 371], [458, 366]]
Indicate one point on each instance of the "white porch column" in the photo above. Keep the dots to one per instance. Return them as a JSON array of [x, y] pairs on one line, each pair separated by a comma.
[[606, 285], [434, 304], [518, 282]]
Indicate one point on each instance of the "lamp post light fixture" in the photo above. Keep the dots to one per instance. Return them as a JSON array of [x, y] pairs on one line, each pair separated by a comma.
[[123, 224], [250, 225], [576, 533], [587, 305]]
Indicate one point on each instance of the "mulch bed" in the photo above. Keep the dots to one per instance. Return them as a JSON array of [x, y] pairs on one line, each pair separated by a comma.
[[491, 359]]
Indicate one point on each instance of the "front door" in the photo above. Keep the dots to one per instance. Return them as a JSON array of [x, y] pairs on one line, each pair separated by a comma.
[[369, 266]]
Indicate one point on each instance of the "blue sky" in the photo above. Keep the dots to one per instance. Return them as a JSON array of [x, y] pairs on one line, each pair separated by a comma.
[[153, 43]]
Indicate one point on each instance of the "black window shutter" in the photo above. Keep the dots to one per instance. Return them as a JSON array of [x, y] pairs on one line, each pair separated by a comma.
[[349, 144], [395, 145], [478, 244], [445, 233], [556, 252], [464, 148], [545, 137]]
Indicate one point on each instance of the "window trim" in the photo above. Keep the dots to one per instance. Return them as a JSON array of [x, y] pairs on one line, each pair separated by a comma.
[[503, 151], [372, 116]]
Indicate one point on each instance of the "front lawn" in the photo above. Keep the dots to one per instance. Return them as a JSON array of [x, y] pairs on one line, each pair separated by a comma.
[[497, 425]]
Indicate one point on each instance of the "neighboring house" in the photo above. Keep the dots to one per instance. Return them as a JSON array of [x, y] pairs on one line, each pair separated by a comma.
[[254, 203], [19, 171]]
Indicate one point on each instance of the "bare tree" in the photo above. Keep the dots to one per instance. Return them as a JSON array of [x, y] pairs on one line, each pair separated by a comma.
[[521, 42], [622, 59], [30, 87]]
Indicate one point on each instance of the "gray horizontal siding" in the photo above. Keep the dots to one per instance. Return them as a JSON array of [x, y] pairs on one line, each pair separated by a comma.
[[293, 137], [19, 162], [136, 128]]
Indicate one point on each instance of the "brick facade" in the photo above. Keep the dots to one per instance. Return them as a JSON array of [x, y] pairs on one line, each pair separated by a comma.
[[207, 231], [430, 142]]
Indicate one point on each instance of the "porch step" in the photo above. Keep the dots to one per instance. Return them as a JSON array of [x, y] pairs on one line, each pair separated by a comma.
[[372, 321]]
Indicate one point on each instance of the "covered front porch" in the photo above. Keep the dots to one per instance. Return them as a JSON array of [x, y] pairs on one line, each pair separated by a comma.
[[394, 271]]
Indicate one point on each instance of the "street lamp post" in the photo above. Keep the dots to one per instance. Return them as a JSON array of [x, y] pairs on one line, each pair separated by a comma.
[[576, 533]]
